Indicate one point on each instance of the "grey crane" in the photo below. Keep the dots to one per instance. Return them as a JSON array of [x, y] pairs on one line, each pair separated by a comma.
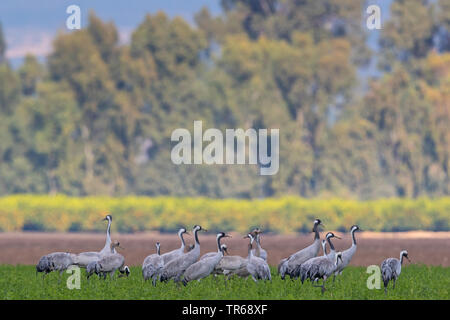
[[320, 268], [85, 258], [232, 265], [288, 265], [204, 267], [347, 255], [391, 269], [258, 251], [256, 266], [331, 255], [109, 263], [56, 261], [332, 252], [153, 265], [176, 267], [171, 255]]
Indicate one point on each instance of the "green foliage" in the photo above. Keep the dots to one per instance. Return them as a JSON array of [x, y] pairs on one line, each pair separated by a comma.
[[97, 116], [415, 282], [279, 215]]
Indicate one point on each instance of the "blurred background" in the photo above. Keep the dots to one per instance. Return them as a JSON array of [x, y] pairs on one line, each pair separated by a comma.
[[86, 115]]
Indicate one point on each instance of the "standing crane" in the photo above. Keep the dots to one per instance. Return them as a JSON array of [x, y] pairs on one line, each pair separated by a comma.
[[176, 267], [171, 255], [288, 265], [109, 263], [256, 266], [153, 265], [204, 267], [347, 255], [84, 258], [391, 269], [320, 268]]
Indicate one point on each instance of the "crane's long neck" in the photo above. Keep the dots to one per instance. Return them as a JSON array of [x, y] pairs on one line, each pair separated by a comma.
[[108, 233], [316, 232], [183, 244], [196, 237], [324, 247], [330, 243], [258, 240], [158, 250], [249, 251], [401, 258], [353, 237], [219, 249]]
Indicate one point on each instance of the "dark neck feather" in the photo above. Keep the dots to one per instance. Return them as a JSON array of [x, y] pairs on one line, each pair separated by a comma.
[[329, 242], [353, 237], [182, 239], [316, 230], [196, 236], [218, 243]]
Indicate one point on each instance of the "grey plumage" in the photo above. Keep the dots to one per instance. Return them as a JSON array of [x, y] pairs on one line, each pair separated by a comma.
[[169, 256], [204, 267], [153, 265], [212, 254], [175, 268], [256, 266], [320, 268], [258, 251], [332, 252], [56, 261], [293, 262], [232, 266], [83, 259], [111, 262], [391, 269], [347, 255]]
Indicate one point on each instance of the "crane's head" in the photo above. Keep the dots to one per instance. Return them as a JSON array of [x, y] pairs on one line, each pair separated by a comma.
[[199, 228], [317, 223], [404, 253], [107, 218], [221, 235], [257, 231], [331, 235], [250, 236], [355, 228], [224, 248], [183, 231], [116, 244]]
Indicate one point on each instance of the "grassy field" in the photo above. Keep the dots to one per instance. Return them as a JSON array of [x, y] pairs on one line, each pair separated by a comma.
[[415, 282]]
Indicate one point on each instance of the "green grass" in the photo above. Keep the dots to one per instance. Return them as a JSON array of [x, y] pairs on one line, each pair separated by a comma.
[[415, 282]]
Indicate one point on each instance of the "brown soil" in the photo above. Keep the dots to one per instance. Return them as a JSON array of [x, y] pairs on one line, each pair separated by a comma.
[[427, 248]]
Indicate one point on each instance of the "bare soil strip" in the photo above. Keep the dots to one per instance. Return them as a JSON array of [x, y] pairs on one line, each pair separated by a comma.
[[431, 248]]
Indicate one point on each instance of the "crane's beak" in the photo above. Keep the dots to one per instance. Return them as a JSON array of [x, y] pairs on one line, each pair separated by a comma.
[[407, 258], [204, 230], [338, 237], [227, 236], [246, 237]]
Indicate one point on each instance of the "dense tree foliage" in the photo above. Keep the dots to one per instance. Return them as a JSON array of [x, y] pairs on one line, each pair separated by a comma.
[[96, 118]]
